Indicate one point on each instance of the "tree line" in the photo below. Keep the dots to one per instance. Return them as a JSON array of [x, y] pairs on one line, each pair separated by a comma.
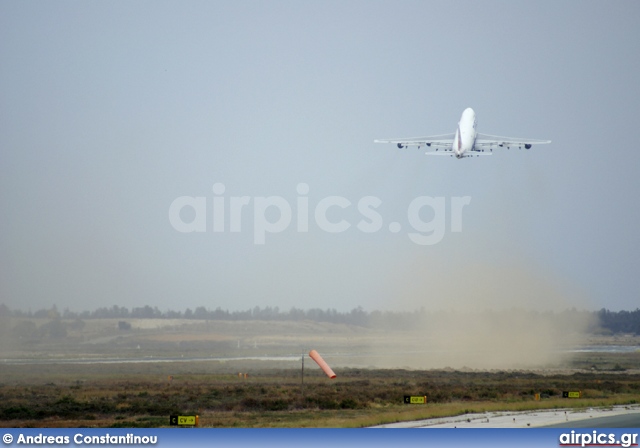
[[604, 321], [620, 321]]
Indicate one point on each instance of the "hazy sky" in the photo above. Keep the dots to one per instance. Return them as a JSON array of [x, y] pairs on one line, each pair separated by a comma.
[[109, 112]]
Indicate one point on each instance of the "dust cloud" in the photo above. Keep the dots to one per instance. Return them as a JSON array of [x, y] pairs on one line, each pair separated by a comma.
[[485, 318]]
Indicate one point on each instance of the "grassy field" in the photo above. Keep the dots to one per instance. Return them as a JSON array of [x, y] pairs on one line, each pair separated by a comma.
[[42, 383], [144, 395]]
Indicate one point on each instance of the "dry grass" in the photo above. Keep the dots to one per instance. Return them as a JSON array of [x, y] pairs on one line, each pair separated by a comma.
[[275, 398], [50, 394]]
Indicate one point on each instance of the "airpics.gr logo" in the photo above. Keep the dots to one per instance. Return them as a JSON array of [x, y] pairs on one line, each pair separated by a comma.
[[595, 438], [192, 214]]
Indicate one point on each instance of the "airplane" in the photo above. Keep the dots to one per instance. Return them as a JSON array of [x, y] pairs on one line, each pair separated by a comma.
[[466, 142]]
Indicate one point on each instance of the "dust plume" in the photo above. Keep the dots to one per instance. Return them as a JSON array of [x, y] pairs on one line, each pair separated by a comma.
[[490, 318]]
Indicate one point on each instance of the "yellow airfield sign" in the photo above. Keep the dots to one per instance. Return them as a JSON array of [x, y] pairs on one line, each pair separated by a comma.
[[576, 394], [183, 420], [415, 399]]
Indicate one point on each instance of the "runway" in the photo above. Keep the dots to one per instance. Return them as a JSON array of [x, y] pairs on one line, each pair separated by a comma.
[[610, 417], [631, 420]]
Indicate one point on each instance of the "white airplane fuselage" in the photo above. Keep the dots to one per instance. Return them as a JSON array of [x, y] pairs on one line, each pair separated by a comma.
[[466, 141], [465, 137]]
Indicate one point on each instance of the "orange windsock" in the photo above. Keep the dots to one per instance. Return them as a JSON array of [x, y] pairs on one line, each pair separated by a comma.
[[323, 365]]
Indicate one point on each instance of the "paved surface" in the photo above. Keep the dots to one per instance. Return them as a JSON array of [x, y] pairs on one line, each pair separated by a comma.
[[614, 417], [631, 420]]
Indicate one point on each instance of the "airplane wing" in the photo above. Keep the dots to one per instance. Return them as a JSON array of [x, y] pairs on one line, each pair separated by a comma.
[[443, 141], [451, 154], [491, 142], [466, 154]]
